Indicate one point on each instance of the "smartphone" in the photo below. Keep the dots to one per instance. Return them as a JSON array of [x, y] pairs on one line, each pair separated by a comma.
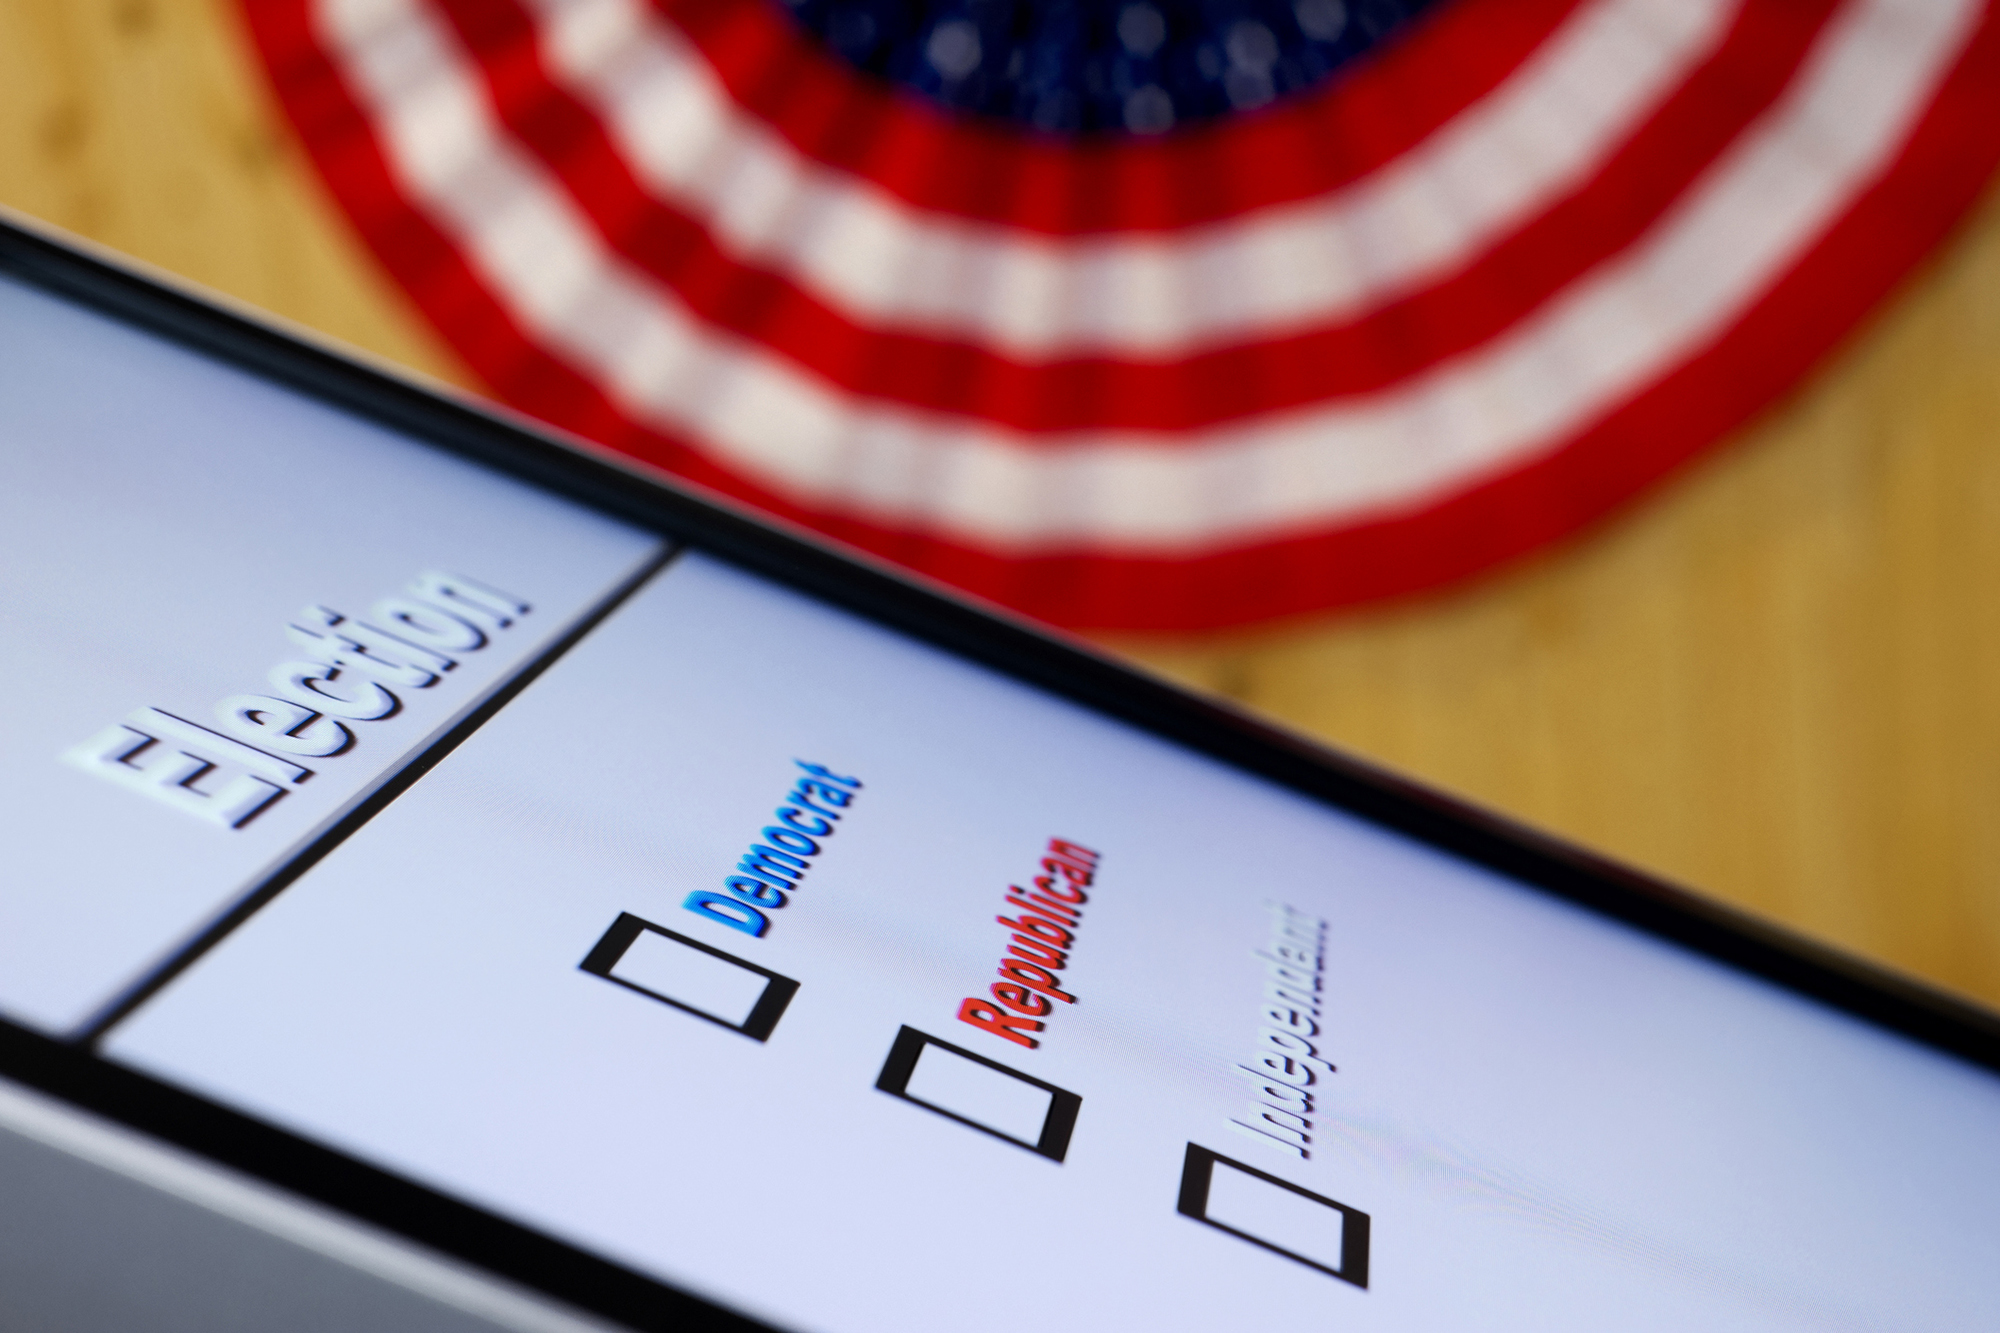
[[455, 875]]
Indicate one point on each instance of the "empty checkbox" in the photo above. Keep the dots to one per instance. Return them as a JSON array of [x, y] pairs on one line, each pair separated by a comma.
[[981, 1093], [691, 976], [1275, 1214]]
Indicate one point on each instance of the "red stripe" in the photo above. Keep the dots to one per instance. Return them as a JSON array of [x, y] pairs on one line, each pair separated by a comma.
[[1744, 75], [1948, 161], [423, 261], [1939, 174], [959, 164]]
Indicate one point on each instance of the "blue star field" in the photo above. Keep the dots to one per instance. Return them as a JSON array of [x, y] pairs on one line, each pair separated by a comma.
[[1083, 66]]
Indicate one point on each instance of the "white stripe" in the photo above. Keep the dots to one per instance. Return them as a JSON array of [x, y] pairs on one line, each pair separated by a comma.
[[883, 264], [1627, 323]]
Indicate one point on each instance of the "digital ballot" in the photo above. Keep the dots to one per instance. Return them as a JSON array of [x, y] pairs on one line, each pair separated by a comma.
[[689, 920]]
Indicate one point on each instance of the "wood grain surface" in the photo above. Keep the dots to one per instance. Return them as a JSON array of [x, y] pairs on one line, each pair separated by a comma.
[[1777, 680]]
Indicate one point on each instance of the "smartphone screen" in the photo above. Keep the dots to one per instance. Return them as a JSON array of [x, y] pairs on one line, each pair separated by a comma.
[[578, 874]]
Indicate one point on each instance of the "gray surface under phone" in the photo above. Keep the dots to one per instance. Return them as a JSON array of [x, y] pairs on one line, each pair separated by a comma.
[[104, 1230]]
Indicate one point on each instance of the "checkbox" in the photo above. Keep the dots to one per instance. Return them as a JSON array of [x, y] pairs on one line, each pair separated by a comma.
[[691, 976], [979, 1092], [1275, 1214]]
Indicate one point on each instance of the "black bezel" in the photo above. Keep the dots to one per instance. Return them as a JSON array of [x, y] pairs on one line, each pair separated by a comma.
[[514, 445]]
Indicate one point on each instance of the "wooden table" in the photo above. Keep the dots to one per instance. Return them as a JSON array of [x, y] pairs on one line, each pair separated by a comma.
[[1778, 680]]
